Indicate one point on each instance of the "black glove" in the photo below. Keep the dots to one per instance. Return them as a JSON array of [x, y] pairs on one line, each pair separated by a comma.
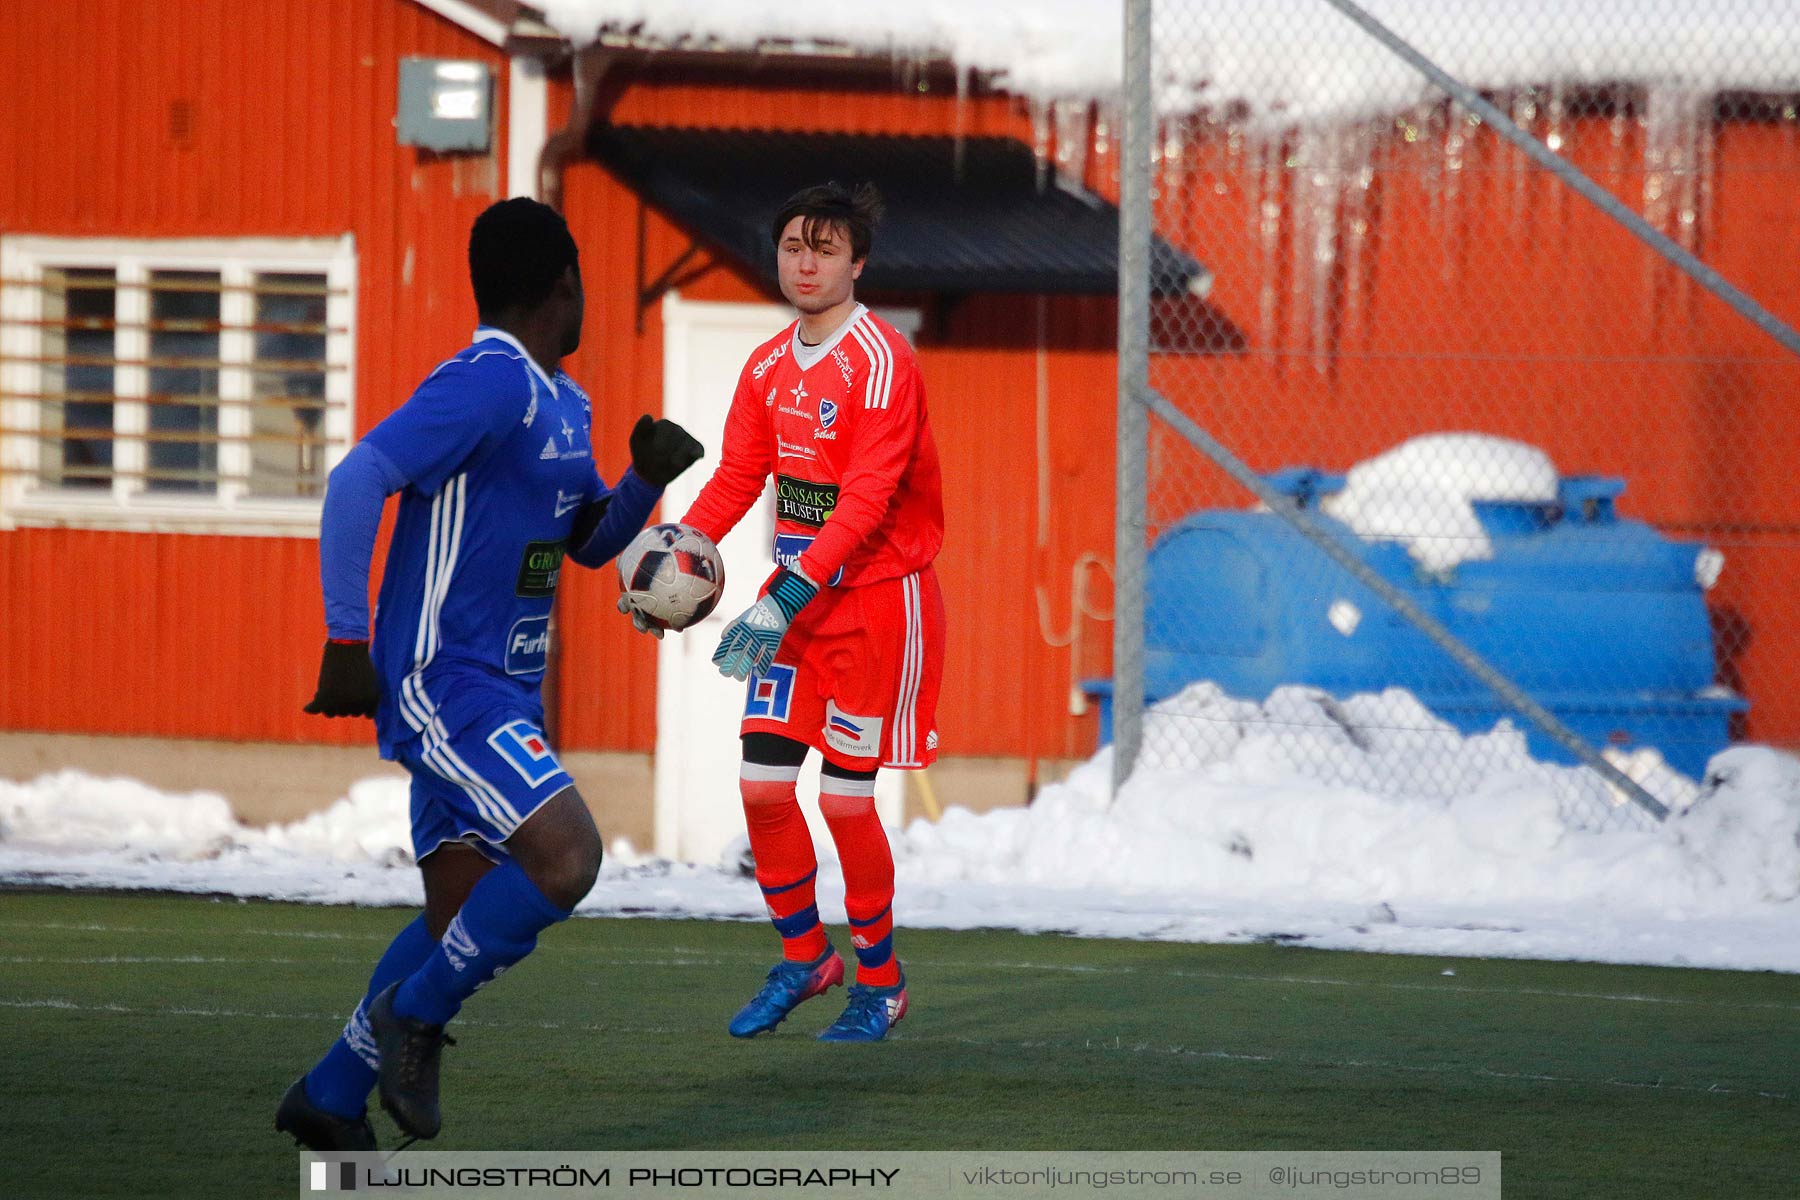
[[347, 683], [661, 450]]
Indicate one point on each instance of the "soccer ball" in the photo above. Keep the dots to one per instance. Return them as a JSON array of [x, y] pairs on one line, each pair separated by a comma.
[[672, 575]]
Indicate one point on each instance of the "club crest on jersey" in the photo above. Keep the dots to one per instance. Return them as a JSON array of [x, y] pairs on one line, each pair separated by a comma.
[[522, 744], [850, 734], [828, 411]]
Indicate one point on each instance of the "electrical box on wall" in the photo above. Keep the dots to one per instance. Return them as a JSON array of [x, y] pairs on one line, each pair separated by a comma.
[[446, 105]]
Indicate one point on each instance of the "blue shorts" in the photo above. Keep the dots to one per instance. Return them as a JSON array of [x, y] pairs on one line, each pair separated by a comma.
[[479, 785]]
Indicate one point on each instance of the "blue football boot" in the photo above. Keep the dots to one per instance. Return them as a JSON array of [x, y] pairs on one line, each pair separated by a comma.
[[789, 984], [872, 1011]]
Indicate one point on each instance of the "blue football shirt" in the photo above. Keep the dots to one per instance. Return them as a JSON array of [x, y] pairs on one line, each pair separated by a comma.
[[498, 456]]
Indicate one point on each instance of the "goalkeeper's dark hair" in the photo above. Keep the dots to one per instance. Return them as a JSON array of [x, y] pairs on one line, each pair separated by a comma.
[[518, 249], [832, 207]]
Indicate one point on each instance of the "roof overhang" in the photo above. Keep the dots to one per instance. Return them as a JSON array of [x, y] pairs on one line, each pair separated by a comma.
[[964, 215]]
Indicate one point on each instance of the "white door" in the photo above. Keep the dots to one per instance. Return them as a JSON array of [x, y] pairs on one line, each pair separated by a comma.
[[698, 811]]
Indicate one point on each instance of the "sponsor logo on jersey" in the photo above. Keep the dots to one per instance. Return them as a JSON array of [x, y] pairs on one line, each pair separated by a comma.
[[567, 502], [769, 400], [850, 734], [550, 452], [798, 392], [804, 502], [793, 449], [527, 645], [762, 368], [843, 364], [541, 565], [522, 744], [788, 549], [771, 693]]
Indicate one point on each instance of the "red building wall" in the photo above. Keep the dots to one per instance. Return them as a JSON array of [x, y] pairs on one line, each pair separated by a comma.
[[1500, 302], [286, 132]]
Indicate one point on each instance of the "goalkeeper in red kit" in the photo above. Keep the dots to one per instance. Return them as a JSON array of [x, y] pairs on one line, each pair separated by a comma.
[[843, 651]]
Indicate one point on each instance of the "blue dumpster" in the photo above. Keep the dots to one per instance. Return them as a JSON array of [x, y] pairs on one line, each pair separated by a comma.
[[1600, 619]]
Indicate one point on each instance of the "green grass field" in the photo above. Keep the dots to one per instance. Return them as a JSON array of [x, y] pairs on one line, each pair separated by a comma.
[[144, 1042]]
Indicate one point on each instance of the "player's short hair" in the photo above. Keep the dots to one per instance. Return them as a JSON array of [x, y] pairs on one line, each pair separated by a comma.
[[518, 249], [832, 207]]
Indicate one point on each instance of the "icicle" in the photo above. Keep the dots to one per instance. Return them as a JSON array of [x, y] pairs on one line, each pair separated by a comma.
[[1271, 173], [964, 73], [1359, 184], [1040, 140], [1172, 168], [1519, 168], [1316, 205], [1070, 118], [1556, 136], [1107, 120]]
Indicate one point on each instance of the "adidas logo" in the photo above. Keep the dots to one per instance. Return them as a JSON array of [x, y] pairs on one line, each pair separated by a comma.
[[859, 941], [931, 740], [549, 450]]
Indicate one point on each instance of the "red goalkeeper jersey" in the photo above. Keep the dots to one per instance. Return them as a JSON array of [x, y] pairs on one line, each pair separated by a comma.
[[842, 426]]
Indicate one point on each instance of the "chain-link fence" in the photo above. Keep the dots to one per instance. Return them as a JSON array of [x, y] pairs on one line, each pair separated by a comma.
[[1515, 508]]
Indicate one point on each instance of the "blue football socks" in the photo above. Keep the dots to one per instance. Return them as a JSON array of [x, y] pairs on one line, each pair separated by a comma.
[[341, 1081], [498, 925]]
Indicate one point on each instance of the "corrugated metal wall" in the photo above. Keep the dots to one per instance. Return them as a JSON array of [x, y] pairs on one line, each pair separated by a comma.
[[284, 130]]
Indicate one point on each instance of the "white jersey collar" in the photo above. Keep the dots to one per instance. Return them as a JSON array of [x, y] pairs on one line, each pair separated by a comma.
[[807, 355], [487, 333]]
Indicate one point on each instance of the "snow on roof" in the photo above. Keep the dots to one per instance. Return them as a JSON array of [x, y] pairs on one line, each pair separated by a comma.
[[1298, 58]]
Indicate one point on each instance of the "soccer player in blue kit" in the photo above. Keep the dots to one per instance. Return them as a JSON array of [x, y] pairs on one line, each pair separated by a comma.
[[494, 461]]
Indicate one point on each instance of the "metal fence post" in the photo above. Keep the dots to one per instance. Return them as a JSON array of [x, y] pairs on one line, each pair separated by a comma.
[[1134, 376]]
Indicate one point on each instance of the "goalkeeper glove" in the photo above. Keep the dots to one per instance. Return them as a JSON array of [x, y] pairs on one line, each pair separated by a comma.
[[347, 683], [661, 450], [749, 643]]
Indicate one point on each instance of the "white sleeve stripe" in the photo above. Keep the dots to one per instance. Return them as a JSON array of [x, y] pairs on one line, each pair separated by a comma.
[[881, 371]]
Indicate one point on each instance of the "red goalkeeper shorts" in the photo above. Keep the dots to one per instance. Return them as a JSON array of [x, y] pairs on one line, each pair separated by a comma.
[[857, 675]]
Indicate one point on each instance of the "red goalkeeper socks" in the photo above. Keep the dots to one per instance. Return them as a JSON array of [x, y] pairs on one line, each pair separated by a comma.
[[849, 809], [785, 863]]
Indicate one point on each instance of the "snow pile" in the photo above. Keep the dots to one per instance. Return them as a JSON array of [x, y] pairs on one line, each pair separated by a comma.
[[1386, 744], [1290, 59], [1361, 823], [1422, 493]]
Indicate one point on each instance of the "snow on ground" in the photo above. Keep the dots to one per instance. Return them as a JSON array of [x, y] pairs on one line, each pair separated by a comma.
[[1359, 824], [1295, 58]]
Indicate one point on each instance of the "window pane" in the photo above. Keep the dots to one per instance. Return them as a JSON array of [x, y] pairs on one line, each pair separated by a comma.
[[287, 451], [184, 353], [76, 411]]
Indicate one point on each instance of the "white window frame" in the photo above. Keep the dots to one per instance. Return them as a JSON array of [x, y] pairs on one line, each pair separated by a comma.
[[128, 505]]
